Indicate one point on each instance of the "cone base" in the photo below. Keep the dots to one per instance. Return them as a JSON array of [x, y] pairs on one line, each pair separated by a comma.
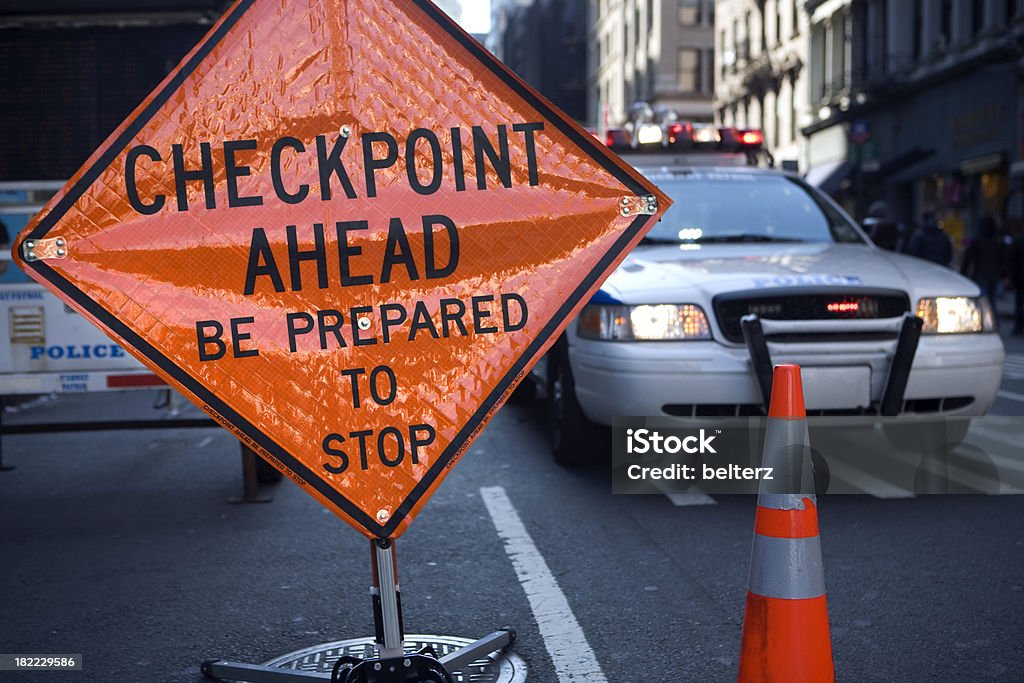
[[786, 641]]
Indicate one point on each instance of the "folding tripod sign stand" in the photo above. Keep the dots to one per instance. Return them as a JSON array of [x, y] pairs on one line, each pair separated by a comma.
[[392, 664]]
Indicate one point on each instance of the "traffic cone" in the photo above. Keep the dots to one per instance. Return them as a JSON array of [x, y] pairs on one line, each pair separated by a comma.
[[785, 626]]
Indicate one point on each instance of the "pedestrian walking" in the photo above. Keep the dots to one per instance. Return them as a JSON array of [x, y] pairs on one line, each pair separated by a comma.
[[930, 242], [1016, 265], [983, 259], [882, 230]]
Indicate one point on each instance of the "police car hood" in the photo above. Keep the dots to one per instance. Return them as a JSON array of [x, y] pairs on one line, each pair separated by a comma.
[[693, 272]]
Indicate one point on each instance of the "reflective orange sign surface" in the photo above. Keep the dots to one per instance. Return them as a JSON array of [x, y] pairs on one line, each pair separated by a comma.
[[346, 232]]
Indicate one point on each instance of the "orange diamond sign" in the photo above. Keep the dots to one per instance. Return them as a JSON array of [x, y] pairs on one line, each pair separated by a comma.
[[346, 231]]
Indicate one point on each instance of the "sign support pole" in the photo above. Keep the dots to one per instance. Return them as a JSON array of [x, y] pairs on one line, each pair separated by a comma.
[[387, 607]]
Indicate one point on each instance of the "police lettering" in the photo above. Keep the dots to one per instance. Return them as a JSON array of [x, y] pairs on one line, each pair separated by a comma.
[[74, 352], [420, 158]]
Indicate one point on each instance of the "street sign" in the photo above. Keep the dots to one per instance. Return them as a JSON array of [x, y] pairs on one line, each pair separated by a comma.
[[860, 131], [345, 231]]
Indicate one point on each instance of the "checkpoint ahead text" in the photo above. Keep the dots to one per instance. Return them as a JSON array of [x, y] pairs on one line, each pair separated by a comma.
[[346, 254]]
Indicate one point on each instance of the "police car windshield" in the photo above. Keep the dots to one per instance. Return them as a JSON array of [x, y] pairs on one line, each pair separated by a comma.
[[725, 207]]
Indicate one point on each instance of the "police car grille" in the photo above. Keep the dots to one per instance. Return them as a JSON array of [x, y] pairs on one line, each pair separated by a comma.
[[822, 306]]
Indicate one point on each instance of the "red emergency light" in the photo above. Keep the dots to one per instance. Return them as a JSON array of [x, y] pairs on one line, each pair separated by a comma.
[[843, 307], [752, 137]]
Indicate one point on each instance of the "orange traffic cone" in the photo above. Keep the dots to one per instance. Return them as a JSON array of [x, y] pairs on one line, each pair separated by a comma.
[[785, 627]]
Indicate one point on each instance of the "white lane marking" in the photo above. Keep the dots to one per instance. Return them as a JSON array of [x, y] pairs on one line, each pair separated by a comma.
[[570, 652], [690, 498], [1010, 395], [1013, 367], [1002, 461], [858, 478]]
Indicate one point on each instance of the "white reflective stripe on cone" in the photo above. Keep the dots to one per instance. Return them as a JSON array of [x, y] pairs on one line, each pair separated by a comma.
[[788, 568]]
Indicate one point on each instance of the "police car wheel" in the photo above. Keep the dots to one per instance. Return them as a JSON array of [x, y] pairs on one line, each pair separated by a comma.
[[569, 428]]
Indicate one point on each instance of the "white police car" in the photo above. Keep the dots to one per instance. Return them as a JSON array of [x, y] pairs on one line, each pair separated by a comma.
[[751, 267]]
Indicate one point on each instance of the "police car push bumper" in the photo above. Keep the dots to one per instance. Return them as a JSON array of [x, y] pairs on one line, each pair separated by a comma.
[[630, 378]]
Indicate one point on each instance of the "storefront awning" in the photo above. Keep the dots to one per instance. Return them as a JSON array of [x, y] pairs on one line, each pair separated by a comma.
[[829, 176]]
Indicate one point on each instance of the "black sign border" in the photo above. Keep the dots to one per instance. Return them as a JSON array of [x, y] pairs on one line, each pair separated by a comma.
[[587, 143]]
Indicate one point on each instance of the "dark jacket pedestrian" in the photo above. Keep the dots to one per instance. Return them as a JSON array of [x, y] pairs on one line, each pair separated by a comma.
[[931, 243], [1016, 264], [983, 259], [882, 230]]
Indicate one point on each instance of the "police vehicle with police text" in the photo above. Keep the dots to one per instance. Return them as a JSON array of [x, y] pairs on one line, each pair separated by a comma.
[[751, 267]]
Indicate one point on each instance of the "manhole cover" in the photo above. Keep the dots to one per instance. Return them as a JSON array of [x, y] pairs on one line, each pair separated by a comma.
[[497, 667]]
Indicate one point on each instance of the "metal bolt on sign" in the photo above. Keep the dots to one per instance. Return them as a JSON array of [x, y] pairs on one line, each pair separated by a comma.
[[639, 206], [44, 249]]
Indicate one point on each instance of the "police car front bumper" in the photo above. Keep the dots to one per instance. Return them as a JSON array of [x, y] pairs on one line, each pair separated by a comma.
[[950, 375]]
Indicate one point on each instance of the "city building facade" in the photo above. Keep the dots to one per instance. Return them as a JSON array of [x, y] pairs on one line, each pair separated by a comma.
[[656, 51], [502, 13], [918, 103], [544, 42], [762, 66]]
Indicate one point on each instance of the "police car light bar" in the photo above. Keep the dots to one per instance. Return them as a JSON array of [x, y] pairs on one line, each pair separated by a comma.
[[681, 135]]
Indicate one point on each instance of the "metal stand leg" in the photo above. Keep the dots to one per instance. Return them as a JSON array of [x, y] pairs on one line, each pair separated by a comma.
[[481, 648], [392, 664], [250, 481], [3, 467]]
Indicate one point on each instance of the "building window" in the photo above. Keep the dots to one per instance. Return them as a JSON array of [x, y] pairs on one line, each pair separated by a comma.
[[735, 44], [724, 52], [689, 12], [918, 21], [636, 29], [946, 22], [690, 70], [744, 48], [840, 45], [778, 22], [817, 61], [776, 119], [792, 110], [977, 14]]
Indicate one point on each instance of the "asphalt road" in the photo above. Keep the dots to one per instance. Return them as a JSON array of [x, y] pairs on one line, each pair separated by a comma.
[[120, 546]]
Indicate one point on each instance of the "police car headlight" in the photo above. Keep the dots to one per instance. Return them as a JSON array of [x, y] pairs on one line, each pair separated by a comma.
[[648, 322], [955, 315]]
